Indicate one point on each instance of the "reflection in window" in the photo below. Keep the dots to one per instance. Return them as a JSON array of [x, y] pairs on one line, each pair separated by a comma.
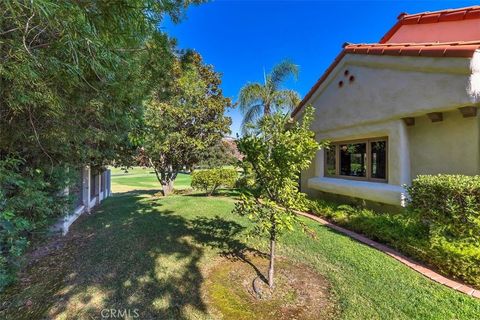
[[330, 161], [353, 160], [379, 159], [364, 160]]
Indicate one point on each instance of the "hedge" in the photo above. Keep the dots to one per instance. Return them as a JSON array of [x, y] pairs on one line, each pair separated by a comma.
[[450, 204]]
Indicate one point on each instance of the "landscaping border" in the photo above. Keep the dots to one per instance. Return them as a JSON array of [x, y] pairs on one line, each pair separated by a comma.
[[432, 275]]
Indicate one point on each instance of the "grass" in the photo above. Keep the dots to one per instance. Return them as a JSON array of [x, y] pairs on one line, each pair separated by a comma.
[[151, 255], [406, 231], [140, 178]]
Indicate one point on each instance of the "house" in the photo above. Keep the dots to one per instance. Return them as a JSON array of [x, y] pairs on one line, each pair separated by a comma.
[[399, 108], [92, 188]]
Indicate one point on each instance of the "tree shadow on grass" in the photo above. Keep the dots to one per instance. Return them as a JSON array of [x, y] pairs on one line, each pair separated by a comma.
[[224, 235], [232, 193], [144, 262], [131, 256]]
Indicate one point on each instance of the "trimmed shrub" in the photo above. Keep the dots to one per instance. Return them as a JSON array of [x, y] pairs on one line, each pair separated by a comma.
[[450, 204], [209, 180], [458, 257]]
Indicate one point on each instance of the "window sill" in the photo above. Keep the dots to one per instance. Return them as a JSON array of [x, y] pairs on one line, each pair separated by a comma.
[[369, 190], [357, 178]]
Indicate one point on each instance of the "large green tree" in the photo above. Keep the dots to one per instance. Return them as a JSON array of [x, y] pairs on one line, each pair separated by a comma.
[[276, 153], [262, 99], [184, 118], [224, 153], [73, 78]]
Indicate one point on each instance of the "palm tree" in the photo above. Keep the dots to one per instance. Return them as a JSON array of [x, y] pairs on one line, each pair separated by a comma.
[[257, 100]]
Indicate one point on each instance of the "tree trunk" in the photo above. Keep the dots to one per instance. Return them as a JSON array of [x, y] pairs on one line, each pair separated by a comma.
[[272, 262], [167, 187], [156, 170], [165, 178], [266, 110]]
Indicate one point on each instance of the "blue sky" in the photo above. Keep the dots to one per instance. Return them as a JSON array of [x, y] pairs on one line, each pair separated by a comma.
[[241, 38]]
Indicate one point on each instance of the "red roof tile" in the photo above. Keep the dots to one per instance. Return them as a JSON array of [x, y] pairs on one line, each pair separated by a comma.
[[460, 49], [463, 49], [433, 17]]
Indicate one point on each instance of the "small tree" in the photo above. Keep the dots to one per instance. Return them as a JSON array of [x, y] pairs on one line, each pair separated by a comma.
[[277, 153]]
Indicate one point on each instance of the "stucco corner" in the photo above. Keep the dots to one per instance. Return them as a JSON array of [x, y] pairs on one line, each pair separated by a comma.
[[474, 81]]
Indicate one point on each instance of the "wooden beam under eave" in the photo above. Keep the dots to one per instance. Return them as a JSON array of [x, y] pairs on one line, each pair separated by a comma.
[[409, 121], [435, 116], [467, 112]]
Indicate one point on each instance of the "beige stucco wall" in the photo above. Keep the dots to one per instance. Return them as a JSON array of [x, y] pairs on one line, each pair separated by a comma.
[[398, 150], [450, 146], [304, 176], [398, 164], [385, 90]]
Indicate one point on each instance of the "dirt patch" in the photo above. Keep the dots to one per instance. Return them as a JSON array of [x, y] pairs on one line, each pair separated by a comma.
[[299, 293]]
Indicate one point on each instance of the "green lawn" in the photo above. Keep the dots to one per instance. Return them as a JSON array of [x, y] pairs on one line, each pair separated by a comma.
[[151, 254], [139, 178]]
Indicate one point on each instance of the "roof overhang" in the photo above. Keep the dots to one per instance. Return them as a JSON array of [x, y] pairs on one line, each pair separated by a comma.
[[433, 50]]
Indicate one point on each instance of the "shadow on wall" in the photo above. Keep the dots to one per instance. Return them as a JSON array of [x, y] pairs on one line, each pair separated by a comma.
[[129, 256]]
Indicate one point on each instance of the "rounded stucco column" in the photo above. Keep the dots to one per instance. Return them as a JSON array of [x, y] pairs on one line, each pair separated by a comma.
[[319, 163], [403, 154]]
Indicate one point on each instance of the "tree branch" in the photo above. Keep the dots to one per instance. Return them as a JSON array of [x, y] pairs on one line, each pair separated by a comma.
[[24, 37], [38, 139]]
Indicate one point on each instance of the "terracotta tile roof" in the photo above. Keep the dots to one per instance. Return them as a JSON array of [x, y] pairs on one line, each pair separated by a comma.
[[452, 49], [433, 17], [460, 49]]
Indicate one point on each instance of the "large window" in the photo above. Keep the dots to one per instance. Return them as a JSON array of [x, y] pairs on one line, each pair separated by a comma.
[[361, 159]]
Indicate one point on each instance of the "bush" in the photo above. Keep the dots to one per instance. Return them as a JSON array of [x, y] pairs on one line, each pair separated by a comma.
[[457, 257], [450, 204], [210, 180], [29, 200], [13, 242]]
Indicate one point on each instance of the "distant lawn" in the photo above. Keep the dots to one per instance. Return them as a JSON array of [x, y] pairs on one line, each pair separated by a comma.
[[152, 255], [141, 178]]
